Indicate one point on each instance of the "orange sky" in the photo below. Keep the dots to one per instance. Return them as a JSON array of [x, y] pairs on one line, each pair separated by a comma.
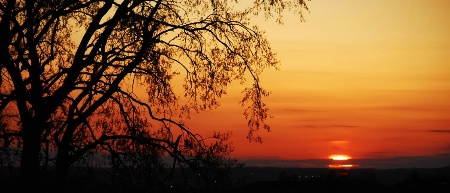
[[365, 78]]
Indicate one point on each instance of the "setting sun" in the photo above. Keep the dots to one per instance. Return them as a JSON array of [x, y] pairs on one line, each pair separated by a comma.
[[339, 157], [340, 161]]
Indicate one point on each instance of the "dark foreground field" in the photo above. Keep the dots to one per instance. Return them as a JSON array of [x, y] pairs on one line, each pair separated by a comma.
[[258, 180], [353, 180]]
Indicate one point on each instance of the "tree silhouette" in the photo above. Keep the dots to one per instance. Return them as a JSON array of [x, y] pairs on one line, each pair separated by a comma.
[[69, 70]]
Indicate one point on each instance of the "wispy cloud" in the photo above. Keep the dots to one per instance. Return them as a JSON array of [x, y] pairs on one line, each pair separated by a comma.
[[440, 130], [330, 126], [401, 108], [311, 126], [379, 154], [314, 163], [343, 126], [301, 110], [432, 161]]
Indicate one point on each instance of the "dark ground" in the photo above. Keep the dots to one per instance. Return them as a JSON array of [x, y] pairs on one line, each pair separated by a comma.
[[319, 180], [265, 180]]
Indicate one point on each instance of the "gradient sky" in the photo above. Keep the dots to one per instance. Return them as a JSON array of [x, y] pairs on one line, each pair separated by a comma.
[[365, 78]]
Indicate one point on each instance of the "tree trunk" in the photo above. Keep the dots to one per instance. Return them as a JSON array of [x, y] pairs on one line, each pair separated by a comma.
[[29, 162], [62, 168]]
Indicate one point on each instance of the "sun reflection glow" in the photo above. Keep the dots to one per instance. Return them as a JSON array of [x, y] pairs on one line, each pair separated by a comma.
[[340, 165]]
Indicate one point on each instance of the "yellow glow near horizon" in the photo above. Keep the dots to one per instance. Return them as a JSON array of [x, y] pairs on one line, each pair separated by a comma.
[[339, 157], [340, 166]]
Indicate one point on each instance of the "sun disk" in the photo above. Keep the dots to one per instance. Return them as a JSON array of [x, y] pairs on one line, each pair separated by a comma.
[[339, 157]]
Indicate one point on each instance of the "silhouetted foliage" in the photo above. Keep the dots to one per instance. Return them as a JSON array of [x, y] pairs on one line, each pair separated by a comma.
[[72, 71]]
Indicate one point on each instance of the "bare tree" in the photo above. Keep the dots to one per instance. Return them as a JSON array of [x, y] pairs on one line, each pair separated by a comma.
[[69, 70]]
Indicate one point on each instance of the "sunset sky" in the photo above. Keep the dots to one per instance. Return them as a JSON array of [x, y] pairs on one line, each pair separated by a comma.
[[364, 78]]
